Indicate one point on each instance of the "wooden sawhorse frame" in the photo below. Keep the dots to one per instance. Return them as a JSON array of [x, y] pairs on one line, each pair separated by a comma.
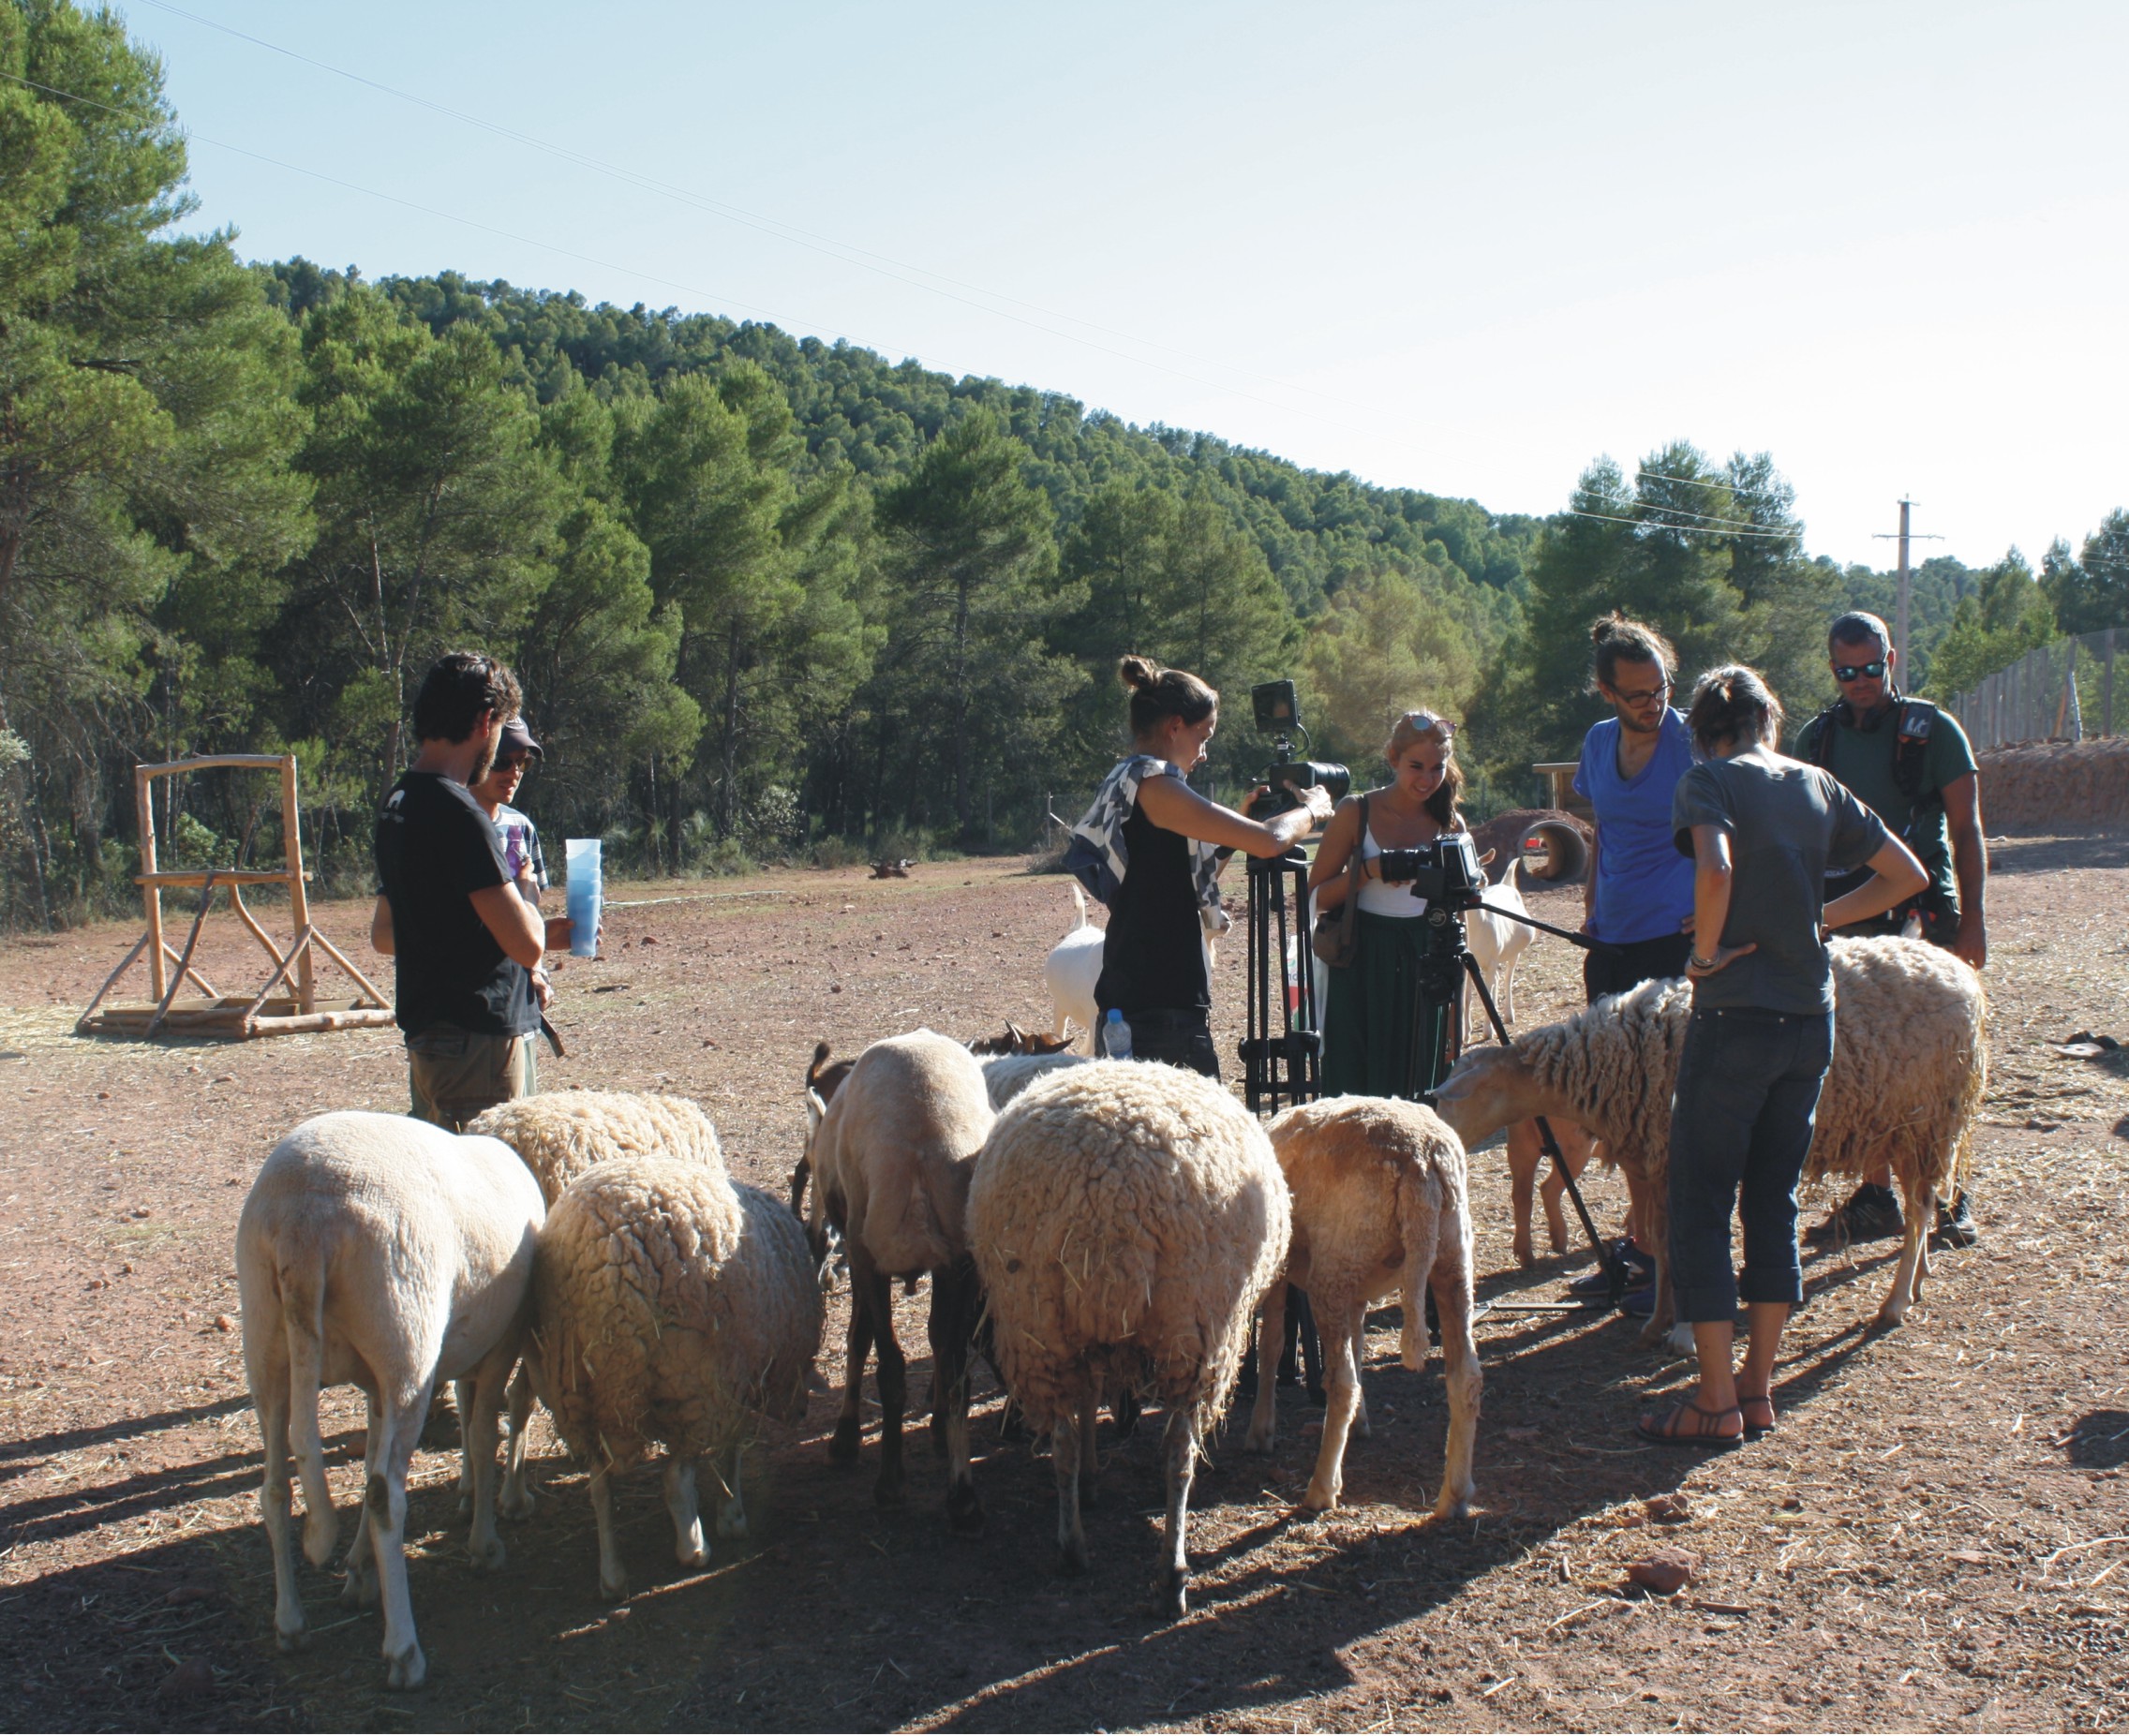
[[264, 1013]]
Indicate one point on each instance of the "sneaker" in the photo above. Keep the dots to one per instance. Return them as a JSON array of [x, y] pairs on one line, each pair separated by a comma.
[[1640, 1303], [1955, 1227], [1640, 1266], [1871, 1215]]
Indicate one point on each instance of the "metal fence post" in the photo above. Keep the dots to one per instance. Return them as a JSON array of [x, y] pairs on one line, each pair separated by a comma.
[[2106, 688]]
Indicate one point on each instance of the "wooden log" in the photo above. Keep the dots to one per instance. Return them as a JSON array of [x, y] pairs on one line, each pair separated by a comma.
[[124, 964], [184, 960], [362, 982]]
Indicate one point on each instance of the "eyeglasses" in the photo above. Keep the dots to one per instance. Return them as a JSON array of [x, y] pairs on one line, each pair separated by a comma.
[[1855, 672], [1645, 695], [1426, 723]]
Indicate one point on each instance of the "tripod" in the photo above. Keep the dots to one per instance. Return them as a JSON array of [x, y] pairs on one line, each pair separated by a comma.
[[1286, 1066]]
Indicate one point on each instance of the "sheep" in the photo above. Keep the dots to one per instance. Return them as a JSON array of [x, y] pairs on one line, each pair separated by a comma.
[[1127, 1219], [823, 1078], [380, 1251], [1006, 1076], [1498, 941], [1378, 1202], [1909, 1068], [891, 1158], [561, 1134], [1525, 1156], [1070, 972], [671, 1305]]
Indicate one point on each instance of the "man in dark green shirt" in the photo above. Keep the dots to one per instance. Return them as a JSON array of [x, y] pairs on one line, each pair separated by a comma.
[[1913, 767]]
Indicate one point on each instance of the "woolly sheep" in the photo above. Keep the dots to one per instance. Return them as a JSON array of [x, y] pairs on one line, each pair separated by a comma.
[[891, 1158], [671, 1306], [1126, 1219], [380, 1251], [561, 1134], [1909, 1068], [1378, 1202], [1006, 1076]]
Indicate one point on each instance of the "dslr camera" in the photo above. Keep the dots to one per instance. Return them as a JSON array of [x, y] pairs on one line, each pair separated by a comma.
[[1445, 872], [1278, 715]]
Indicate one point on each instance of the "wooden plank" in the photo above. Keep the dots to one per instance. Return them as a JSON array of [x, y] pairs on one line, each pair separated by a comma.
[[299, 897], [369, 988], [215, 761], [184, 960], [124, 965], [197, 877], [152, 892]]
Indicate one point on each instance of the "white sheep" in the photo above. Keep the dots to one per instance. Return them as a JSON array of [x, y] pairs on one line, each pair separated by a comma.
[[1070, 972], [1498, 942], [1909, 1068], [1126, 1219], [673, 1308], [379, 1251], [1006, 1076], [1378, 1204], [891, 1158]]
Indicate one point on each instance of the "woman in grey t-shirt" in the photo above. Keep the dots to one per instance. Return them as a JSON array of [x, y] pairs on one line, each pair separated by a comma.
[[1763, 829]]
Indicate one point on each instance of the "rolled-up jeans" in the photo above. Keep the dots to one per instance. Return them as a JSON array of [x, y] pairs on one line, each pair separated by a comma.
[[1748, 1096]]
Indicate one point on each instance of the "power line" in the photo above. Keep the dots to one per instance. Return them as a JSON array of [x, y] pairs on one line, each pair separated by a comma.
[[1702, 531], [793, 233]]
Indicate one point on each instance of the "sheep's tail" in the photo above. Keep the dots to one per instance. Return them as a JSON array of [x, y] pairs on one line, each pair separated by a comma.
[[820, 1061], [1080, 904]]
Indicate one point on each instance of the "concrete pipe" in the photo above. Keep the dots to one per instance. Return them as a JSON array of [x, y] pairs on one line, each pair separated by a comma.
[[1565, 851]]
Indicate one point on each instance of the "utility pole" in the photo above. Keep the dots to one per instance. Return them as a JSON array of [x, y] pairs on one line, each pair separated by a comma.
[[1899, 624]]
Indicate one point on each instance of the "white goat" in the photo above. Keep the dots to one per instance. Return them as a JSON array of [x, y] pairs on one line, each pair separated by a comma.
[[379, 1251], [1070, 973], [1498, 942]]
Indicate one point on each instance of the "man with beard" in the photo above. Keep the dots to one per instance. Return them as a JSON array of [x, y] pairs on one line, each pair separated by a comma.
[[466, 944]]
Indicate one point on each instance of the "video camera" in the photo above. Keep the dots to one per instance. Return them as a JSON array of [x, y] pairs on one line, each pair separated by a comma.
[[1278, 715], [1445, 872]]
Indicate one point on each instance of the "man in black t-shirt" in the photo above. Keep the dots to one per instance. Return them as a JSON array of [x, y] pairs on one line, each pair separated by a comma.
[[466, 944]]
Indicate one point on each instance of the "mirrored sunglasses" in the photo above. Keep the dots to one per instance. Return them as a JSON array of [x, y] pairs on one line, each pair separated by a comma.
[[1851, 672], [1426, 721]]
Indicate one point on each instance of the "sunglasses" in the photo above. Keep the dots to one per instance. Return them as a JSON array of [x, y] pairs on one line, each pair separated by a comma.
[[1855, 672], [512, 761], [1426, 722], [1644, 694]]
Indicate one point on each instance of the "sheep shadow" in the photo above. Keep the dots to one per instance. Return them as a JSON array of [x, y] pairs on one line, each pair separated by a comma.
[[2099, 1440], [906, 1625]]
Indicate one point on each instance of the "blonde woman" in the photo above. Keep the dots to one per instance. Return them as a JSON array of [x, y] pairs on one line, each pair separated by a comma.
[[1389, 1018]]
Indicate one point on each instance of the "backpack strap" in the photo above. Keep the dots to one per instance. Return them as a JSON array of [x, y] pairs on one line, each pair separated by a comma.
[[1911, 725]]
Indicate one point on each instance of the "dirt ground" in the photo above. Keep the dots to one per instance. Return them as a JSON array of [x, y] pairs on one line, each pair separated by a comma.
[[1933, 1538]]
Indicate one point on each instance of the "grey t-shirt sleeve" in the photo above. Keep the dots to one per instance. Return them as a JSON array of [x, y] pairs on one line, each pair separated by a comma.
[[1856, 834], [1700, 799]]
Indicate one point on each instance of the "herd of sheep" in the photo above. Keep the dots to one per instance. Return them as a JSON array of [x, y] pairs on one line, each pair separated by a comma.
[[1103, 1232]]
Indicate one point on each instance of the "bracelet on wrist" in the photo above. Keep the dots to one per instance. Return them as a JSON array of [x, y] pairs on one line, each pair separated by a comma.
[[1699, 964]]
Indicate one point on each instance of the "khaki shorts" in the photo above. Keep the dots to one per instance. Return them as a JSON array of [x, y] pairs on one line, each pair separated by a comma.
[[456, 1073]]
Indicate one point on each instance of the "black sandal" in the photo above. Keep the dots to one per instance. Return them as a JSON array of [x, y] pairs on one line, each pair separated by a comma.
[[1704, 1437], [1754, 1430]]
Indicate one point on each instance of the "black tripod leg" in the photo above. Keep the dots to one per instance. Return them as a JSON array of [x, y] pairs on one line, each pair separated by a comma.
[[1614, 1270]]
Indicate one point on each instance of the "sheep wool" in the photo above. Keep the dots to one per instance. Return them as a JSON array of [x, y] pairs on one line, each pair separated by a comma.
[[670, 1304], [561, 1134], [1125, 1218], [1006, 1076]]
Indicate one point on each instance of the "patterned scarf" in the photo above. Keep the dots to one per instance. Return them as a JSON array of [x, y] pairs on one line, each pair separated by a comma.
[[1096, 857]]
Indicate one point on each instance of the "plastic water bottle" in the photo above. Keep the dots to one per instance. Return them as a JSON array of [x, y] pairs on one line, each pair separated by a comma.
[[1116, 1037], [581, 899]]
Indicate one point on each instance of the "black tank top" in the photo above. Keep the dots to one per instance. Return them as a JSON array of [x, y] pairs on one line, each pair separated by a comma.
[[1153, 956]]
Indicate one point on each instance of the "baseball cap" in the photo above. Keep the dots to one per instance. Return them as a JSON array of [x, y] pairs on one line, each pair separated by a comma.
[[516, 739]]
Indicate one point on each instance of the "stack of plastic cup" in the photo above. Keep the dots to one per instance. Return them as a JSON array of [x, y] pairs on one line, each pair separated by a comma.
[[582, 896]]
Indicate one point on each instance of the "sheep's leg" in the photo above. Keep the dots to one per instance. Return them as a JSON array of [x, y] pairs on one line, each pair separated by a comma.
[[1573, 1142], [1664, 1316], [1359, 1340], [302, 1319], [613, 1577], [843, 1447], [1913, 1261], [1065, 1463], [892, 1372], [678, 1480], [384, 1511], [1329, 1478], [516, 1500], [358, 1590], [268, 1375], [953, 1327], [1271, 1333], [482, 1436], [732, 1510], [1523, 1156], [462, 1396], [800, 1171], [1172, 1589], [1450, 1282]]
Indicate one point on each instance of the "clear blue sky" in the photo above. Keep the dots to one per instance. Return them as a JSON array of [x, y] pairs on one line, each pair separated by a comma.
[[1464, 248]]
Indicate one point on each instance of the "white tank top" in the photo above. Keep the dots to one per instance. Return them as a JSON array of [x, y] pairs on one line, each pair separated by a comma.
[[1381, 899]]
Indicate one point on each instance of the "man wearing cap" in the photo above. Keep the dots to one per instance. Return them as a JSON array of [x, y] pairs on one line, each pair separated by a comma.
[[1913, 767], [466, 941]]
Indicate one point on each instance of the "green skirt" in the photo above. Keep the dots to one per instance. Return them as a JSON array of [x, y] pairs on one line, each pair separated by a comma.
[[1386, 1027]]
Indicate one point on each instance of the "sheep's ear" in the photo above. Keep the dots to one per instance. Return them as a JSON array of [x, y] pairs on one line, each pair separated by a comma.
[[1486, 860]]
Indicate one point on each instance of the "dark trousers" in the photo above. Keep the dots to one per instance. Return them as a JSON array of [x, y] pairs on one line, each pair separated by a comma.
[[1181, 1037], [1633, 964], [1748, 1096]]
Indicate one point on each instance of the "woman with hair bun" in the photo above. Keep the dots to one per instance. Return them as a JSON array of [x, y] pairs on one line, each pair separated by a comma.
[[1149, 849], [1378, 1040], [1762, 829]]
